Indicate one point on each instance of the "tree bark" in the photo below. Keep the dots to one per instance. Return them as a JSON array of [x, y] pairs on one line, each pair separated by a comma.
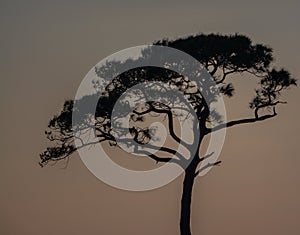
[[186, 199]]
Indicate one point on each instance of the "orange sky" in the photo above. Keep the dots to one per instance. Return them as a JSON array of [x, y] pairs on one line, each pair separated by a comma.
[[48, 47]]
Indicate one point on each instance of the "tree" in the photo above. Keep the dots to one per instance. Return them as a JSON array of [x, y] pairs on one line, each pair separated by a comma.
[[223, 57]]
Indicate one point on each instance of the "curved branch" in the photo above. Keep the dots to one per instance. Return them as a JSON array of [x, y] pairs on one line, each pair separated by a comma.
[[170, 122]]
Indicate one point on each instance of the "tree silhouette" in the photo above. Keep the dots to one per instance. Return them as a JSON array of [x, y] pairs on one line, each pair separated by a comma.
[[222, 56]]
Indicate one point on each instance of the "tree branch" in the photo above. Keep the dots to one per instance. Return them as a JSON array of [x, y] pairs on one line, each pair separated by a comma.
[[209, 164], [242, 121], [267, 105], [170, 122], [150, 146], [156, 158]]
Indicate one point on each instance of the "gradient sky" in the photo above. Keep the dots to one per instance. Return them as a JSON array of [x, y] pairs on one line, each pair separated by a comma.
[[46, 49]]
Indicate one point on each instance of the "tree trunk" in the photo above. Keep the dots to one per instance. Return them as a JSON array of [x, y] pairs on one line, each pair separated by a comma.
[[185, 217]]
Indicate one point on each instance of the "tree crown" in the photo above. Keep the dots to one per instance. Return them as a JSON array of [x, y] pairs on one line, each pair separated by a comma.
[[222, 56]]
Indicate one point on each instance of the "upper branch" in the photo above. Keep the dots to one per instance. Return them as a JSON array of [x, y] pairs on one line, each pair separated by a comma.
[[242, 121]]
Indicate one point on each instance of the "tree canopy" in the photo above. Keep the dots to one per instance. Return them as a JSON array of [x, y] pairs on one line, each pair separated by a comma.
[[222, 55]]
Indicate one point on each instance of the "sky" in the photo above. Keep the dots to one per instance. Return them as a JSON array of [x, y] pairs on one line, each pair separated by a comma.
[[47, 47]]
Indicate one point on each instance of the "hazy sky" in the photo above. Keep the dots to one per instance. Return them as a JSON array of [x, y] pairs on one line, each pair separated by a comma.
[[46, 49]]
